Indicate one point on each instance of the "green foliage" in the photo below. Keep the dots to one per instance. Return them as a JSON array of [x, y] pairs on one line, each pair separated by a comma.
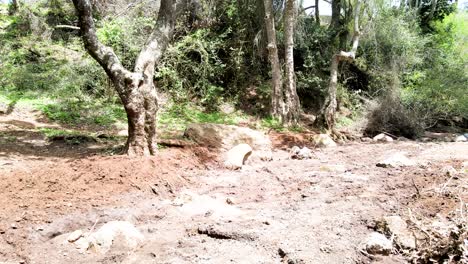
[[177, 116], [193, 68], [94, 112], [125, 35], [439, 88]]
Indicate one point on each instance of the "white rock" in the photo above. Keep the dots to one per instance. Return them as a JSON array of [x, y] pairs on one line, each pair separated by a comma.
[[377, 243], [323, 140], [366, 139], [236, 157], [464, 167], [449, 170], [382, 138], [399, 228], [123, 133], [461, 138], [298, 153], [225, 137], [124, 232], [74, 236], [396, 160]]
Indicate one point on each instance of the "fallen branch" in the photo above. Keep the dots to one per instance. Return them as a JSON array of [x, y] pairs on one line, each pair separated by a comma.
[[67, 27]]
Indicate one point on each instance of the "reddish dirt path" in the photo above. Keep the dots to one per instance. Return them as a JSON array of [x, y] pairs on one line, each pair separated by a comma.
[[310, 211]]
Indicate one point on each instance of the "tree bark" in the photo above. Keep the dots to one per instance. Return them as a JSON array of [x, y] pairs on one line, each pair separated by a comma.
[[292, 103], [277, 101], [14, 6], [336, 14], [329, 111], [317, 12], [135, 88]]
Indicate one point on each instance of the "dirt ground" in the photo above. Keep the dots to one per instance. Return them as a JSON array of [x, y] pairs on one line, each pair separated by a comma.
[[190, 210]]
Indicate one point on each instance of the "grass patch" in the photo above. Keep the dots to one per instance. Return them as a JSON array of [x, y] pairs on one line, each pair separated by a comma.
[[71, 137], [177, 116]]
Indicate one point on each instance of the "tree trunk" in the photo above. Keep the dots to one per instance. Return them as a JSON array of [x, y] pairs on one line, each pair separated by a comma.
[[336, 15], [331, 105], [292, 103], [136, 89], [277, 103], [317, 12], [14, 6]]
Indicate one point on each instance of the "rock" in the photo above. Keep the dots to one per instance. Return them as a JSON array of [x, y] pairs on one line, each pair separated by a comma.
[[323, 140], [298, 153], [121, 232], [123, 133], [396, 160], [237, 156], [382, 138], [449, 170], [226, 137], [377, 243], [464, 167], [399, 228], [74, 236], [403, 139], [366, 139], [461, 138]]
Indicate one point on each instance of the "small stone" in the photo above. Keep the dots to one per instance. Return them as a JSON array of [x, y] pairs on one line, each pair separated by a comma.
[[14, 226], [366, 139], [397, 226], [461, 138], [74, 236], [229, 201], [236, 157], [382, 138], [377, 243], [323, 141], [449, 170], [298, 153], [395, 161]]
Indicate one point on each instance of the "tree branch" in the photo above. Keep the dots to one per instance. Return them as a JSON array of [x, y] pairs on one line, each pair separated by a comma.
[[67, 27], [104, 55]]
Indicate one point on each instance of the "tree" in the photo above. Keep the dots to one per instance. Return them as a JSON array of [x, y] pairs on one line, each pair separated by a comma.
[[13, 8], [135, 88], [277, 101], [292, 103], [331, 103]]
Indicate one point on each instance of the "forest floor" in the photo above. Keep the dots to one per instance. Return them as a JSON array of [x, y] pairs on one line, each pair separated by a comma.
[[191, 210]]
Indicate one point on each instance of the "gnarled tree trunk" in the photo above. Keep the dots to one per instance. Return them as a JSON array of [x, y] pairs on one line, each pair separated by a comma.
[[135, 88], [277, 103], [329, 111], [292, 103]]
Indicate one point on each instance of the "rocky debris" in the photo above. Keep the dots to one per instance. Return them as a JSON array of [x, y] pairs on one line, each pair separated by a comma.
[[236, 157], [398, 227], [225, 137], [464, 167], [323, 140], [403, 139], [382, 138], [461, 138], [122, 232], [449, 170], [395, 161], [300, 153], [192, 204], [225, 232], [366, 139], [74, 236], [377, 243]]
